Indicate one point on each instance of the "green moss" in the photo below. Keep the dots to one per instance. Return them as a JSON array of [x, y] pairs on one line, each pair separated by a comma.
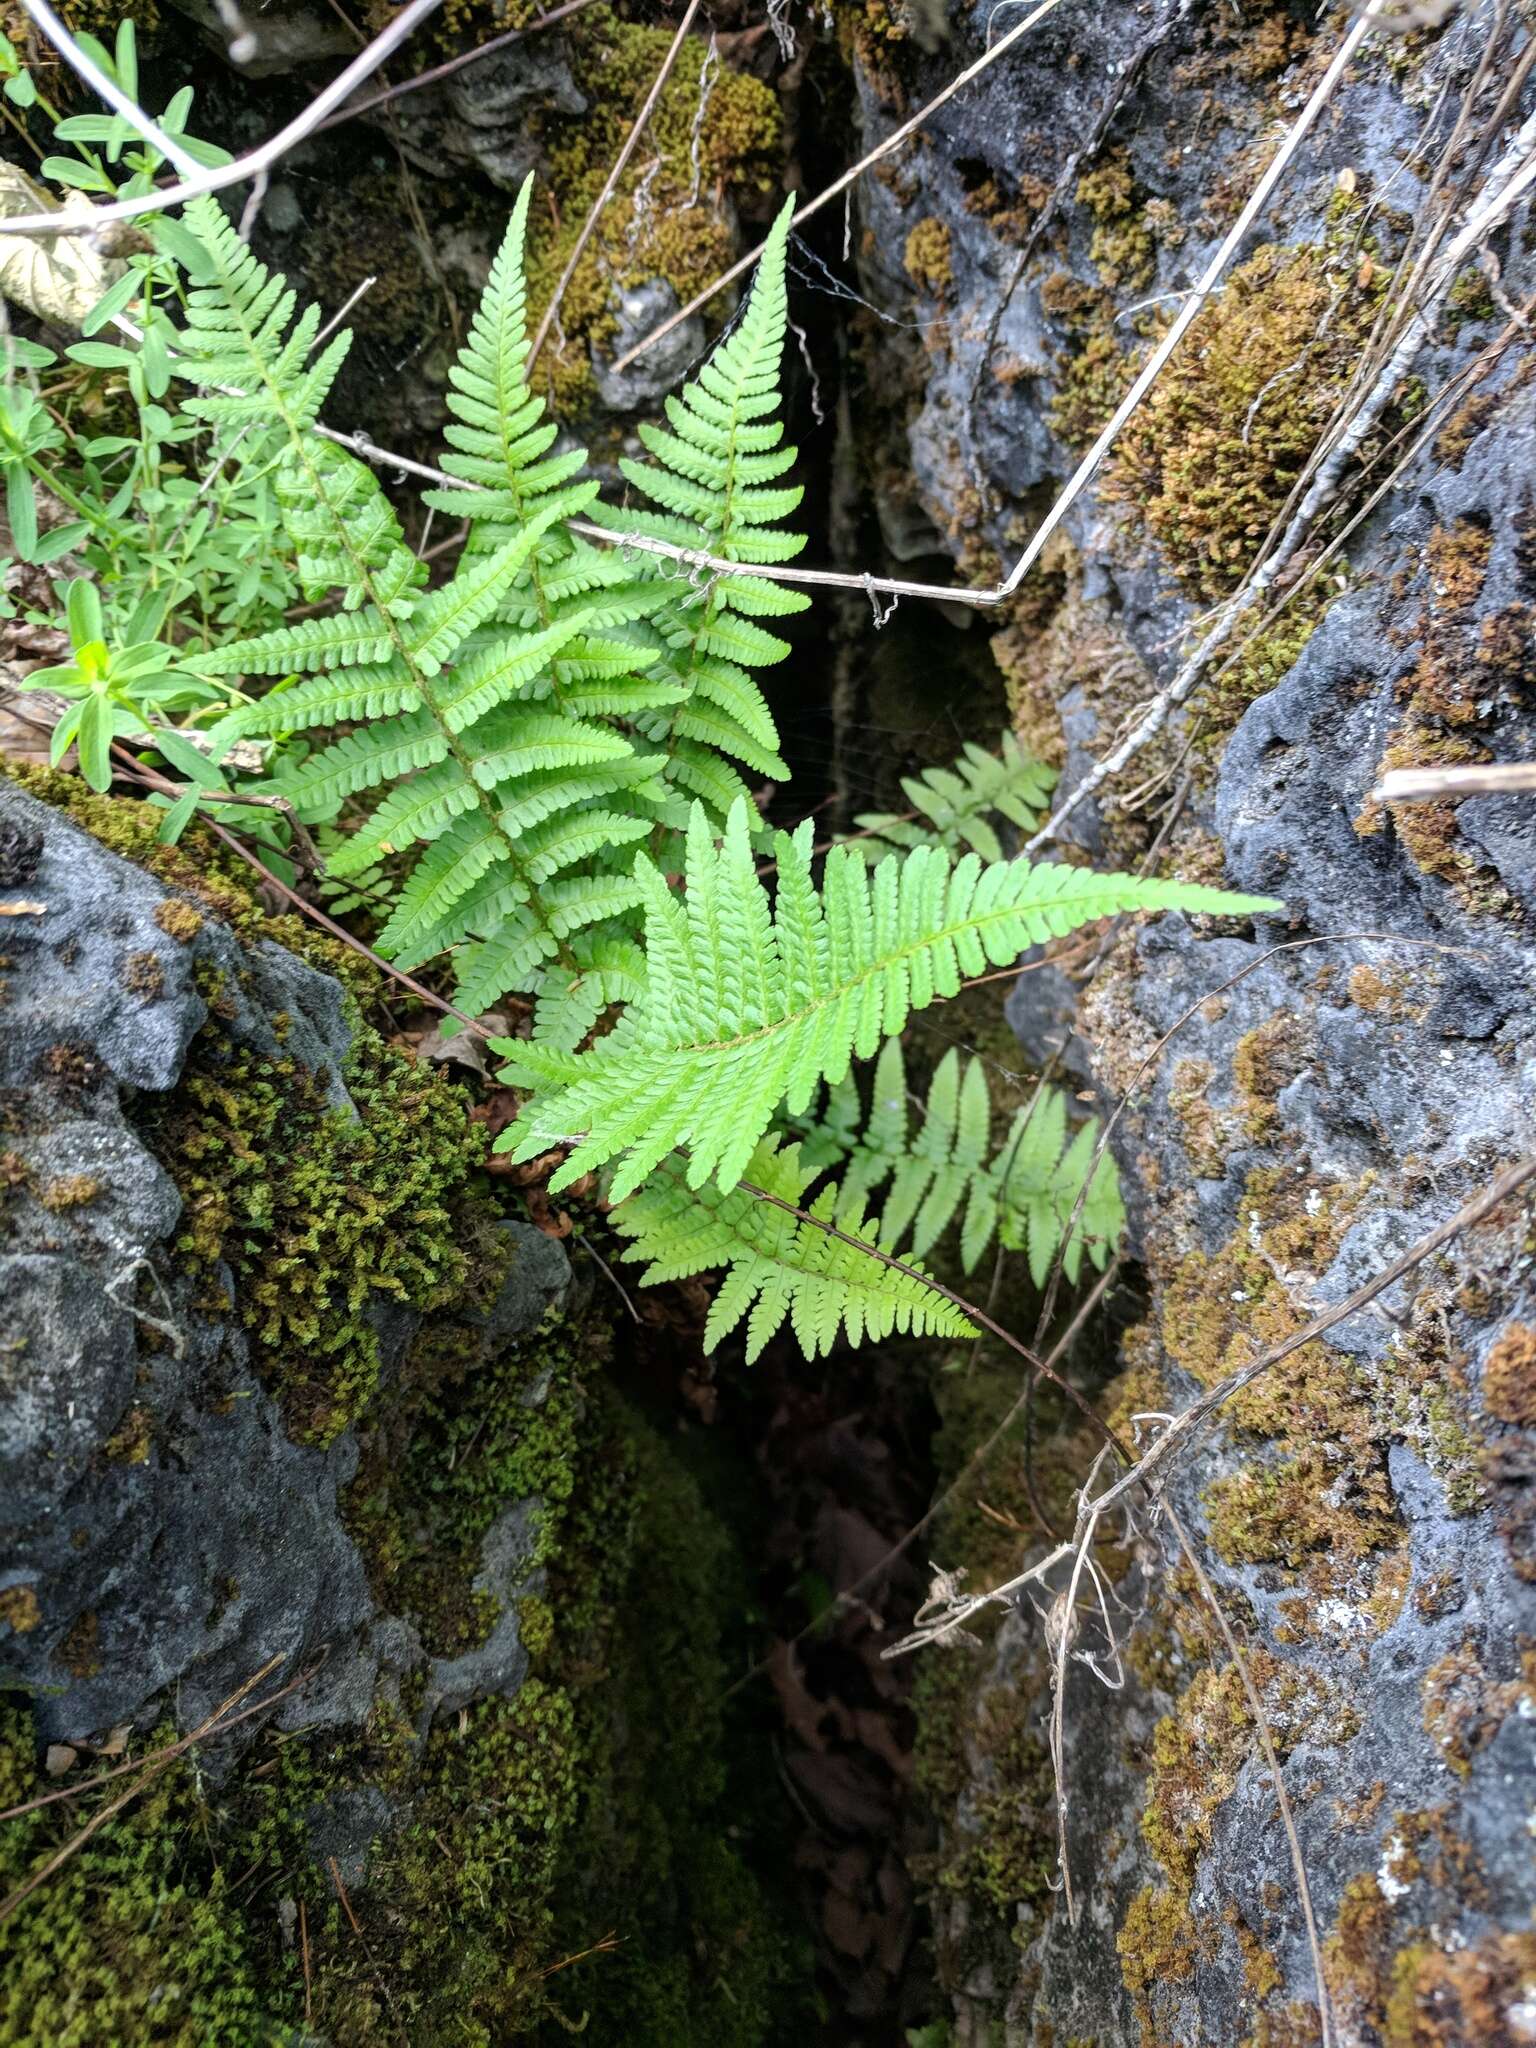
[[1091, 380], [1259, 664], [1209, 460], [314, 1210], [659, 222], [460, 1438], [1123, 249]]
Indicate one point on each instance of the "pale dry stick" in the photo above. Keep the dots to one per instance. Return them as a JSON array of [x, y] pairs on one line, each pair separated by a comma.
[[1518, 169], [891, 143], [1271, 1757], [1061, 1621], [202, 179], [1420, 785], [610, 184]]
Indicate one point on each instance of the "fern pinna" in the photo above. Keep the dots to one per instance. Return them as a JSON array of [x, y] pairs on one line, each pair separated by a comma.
[[1023, 1194], [748, 1004], [552, 739]]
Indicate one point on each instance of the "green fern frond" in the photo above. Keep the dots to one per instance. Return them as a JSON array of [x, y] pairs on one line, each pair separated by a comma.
[[955, 805], [778, 1265], [748, 1004]]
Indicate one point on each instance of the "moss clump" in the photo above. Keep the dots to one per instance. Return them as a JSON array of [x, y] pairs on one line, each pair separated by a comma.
[[180, 920], [19, 1609], [1440, 2000], [662, 222], [1122, 249], [1209, 460], [1158, 1943], [1260, 664], [927, 258], [1509, 1377], [1091, 380], [1324, 1493], [316, 1210], [463, 1436], [1005, 1855], [72, 1191]]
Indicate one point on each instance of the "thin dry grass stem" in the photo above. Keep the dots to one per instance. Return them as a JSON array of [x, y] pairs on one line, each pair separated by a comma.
[[636, 130], [309, 2008], [147, 1769], [604, 1946], [1184, 1426], [882, 150], [1271, 1757], [218, 1724]]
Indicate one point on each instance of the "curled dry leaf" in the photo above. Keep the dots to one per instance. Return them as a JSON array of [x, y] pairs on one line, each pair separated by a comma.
[[59, 278]]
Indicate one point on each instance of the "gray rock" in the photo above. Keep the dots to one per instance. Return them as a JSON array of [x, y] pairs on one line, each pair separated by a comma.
[[660, 370], [1384, 1078], [173, 1537], [481, 118]]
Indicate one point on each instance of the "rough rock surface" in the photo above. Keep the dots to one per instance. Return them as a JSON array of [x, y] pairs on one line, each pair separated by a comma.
[[1367, 1512], [163, 1534]]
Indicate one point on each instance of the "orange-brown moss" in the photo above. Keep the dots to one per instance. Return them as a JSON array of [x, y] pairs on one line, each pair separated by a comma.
[[72, 1191], [1509, 1377], [19, 1609], [179, 919], [1441, 2000], [927, 258]]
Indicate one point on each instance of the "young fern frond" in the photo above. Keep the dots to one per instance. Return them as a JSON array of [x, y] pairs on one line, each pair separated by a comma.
[[1024, 1193], [712, 474], [747, 1004], [955, 805], [778, 1265]]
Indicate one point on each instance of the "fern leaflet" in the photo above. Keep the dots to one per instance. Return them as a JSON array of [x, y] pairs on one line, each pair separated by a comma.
[[777, 1265]]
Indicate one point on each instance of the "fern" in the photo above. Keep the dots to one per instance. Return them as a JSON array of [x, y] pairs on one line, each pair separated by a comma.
[[954, 805], [545, 745], [748, 1005], [1024, 1193], [778, 1265]]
